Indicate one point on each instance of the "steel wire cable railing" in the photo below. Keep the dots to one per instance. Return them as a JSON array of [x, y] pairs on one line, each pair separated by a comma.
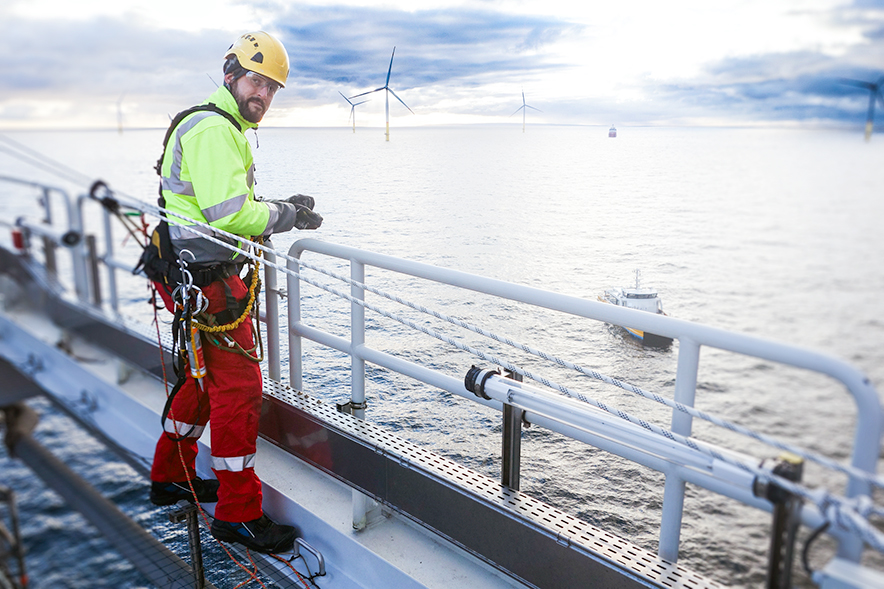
[[870, 478]]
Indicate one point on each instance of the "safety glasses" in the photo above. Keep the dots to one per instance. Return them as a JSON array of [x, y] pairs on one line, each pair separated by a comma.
[[260, 82]]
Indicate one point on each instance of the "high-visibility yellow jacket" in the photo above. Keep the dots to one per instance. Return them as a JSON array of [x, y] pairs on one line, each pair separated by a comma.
[[208, 174]]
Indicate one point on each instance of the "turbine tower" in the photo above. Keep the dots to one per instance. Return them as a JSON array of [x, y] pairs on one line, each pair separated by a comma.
[[120, 114], [352, 109], [524, 108], [874, 92], [389, 91]]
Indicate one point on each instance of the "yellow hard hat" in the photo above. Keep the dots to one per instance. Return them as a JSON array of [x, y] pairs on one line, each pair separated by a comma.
[[262, 53]]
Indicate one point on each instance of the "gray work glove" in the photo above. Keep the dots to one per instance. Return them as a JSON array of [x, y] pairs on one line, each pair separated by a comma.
[[306, 218], [294, 211]]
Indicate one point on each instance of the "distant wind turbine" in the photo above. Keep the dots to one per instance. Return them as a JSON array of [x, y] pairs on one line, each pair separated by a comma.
[[389, 91], [120, 114], [352, 109], [524, 108], [874, 92]]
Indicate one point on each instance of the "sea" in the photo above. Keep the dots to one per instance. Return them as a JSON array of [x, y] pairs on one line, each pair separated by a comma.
[[772, 232]]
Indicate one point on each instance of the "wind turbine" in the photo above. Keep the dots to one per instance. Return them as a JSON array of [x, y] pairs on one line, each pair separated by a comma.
[[120, 113], [352, 109], [524, 108], [389, 91], [874, 92]]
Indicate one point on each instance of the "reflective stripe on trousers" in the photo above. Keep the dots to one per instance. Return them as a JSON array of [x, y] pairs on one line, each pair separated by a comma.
[[179, 428], [232, 399], [233, 464]]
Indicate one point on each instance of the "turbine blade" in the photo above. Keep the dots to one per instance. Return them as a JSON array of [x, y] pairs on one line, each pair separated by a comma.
[[345, 98], [360, 102], [518, 109], [400, 100], [857, 83], [390, 69], [369, 92], [531, 107], [352, 112], [523, 98]]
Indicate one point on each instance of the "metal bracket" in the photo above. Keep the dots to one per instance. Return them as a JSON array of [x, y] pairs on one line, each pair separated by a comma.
[[350, 408]]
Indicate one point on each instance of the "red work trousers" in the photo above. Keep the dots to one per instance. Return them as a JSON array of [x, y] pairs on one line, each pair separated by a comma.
[[232, 400]]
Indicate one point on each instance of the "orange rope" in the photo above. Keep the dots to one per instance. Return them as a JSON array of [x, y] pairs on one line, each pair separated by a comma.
[[289, 564], [253, 576]]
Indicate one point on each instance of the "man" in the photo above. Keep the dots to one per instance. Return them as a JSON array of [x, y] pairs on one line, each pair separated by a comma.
[[207, 174]]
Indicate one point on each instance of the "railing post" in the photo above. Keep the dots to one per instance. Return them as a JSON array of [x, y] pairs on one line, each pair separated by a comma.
[[92, 257], [357, 340], [188, 515], [293, 284], [271, 312], [49, 255], [49, 247], [108, 261], [786, 519], [512, 441], [357, 376], [673, 491], [78, 252]]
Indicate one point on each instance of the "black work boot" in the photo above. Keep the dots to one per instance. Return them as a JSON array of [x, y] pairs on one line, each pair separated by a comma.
[[261, 535], [171, 493]]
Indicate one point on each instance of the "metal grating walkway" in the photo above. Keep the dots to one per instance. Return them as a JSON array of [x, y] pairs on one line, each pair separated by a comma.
[[634, 566]]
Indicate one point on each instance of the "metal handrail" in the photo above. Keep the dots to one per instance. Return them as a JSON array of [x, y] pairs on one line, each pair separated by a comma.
[[692, 337]]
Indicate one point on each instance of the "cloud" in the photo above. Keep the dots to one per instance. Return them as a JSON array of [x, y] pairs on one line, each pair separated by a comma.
[[453, 61], [353, 45], [102, 57], [332, 47], [803, 85]]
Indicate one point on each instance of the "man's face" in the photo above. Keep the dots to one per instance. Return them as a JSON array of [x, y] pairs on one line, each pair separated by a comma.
[[253, 93]]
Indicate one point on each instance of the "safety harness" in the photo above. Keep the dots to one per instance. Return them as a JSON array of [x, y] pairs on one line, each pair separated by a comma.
[[158, 261], [183, 283]]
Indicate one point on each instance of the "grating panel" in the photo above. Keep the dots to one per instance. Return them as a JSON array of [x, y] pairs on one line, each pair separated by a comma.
[[478, 499]]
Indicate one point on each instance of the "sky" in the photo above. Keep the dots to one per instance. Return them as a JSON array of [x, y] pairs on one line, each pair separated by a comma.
[[94, 63]]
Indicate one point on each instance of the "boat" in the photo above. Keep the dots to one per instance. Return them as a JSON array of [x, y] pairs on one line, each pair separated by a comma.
[[612, 132], [373, 508], [642, 299]]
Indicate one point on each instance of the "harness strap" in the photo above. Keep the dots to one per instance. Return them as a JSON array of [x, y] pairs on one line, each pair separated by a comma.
[[180, 368], [212, 107]]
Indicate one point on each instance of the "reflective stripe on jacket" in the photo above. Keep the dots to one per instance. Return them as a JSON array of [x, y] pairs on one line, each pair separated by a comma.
[[208, 174]]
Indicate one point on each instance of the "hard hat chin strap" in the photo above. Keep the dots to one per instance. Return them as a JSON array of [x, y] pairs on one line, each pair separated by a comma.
[[232, 66]]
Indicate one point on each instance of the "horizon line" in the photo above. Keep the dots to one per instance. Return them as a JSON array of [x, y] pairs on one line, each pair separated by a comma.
[[741, 125]]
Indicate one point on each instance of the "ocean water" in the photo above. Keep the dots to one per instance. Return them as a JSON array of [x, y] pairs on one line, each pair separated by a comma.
[[771, 232]]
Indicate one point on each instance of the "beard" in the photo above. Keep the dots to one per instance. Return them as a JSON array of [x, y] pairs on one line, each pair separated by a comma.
[[252, 109]]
